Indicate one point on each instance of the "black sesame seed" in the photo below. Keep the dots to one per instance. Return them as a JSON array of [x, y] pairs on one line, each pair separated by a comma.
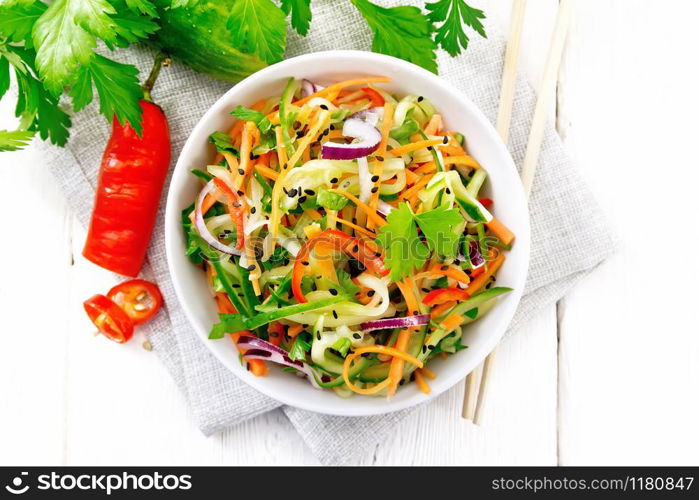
[[445, 268], [375, 178], [253, 210], [332, 127], [318, 335], [293, 192], [355, 249], [286, 191], [241, 171], [430, 148], [235, 285], [354, 220], [240, 193], [401, 382], [424, 349], [446, 140], [468, 272], [251, 267], [302, 199], [356, 336], [430, 347], [420, 98], [426, 290], [379, 157], [324, 106], [247, 366], [304, 326], [333, 180], [299, 134], [305, 262], [285, 166], [309, 192], [374, 189], [332, 291], [334, 314], [377, 254], [370, 293], [448, 191]]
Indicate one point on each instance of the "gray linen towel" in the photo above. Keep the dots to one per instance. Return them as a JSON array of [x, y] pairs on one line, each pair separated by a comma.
[[569, 234]]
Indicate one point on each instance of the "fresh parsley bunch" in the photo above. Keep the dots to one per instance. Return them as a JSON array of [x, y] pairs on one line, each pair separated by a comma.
[[50, 48]]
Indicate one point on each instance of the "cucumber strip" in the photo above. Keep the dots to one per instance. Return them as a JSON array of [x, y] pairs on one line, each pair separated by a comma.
[[476, 182]]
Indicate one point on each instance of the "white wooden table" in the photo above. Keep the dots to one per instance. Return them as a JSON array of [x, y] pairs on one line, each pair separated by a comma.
[[609, 376]]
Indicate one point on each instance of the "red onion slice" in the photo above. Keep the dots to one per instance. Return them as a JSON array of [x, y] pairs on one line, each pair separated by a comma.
[[309, 88], [261, 349], [201, 225], [369, 139], [371, 115], [389, 323], [474, 253]]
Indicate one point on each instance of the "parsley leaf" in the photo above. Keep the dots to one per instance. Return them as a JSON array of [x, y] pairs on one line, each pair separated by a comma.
[[258, 26], [438, 227], [452, 13], [346, 283], [17, 19], [131, 26], [116, 84], [300, 14], [142, 7], [403, 32], [250, 115], [404, 250], [14, 139], [4, 75]]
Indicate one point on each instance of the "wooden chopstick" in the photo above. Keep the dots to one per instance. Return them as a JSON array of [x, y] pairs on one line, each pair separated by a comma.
[[507, 95], [545, 101]]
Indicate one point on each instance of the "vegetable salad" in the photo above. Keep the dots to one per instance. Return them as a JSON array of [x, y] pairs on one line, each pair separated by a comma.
[[345, 237]]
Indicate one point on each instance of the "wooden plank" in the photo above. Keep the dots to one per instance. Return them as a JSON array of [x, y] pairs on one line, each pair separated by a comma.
[[629, 343]]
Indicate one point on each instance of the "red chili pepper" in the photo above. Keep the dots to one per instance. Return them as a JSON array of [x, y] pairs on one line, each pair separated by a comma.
[[338, 241], [486, 202], [235, 207], [140, 299], [131, 180], [443, 295], [377, 100], [109, 318]]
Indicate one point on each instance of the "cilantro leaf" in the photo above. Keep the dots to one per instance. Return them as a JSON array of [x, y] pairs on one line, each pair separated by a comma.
[[404, 250], [438, 227], [94, 17], [348, 286], [131, 26], [142, 7], [250, 115], [12, 140], [223, 143], [17, 19], [259, 26], [300, 14], [453, 14], [4, 75], [117, 86], [403, 32]]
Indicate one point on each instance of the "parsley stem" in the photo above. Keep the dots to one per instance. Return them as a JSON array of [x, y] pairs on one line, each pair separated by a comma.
[[161, 60]]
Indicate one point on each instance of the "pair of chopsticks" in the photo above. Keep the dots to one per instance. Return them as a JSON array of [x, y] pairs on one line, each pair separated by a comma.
[[476, 391]]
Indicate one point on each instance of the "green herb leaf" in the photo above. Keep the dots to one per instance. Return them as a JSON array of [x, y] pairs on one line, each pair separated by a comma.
[[17, 19], [331, 201], [12, 140], [250, 115], [4, 75], [223, 141], [438, 227], [117, 86], [346, 283], [300, 347], [142, 7], [403, 32], [454, 14], [300, 14], [404, 250], [131, 26], [259, 26]]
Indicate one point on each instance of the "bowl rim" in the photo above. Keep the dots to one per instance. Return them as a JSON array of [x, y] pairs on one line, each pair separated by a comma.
[[505, 312]]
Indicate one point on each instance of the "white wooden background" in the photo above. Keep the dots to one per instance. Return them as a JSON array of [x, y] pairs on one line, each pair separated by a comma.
[[610, 376]]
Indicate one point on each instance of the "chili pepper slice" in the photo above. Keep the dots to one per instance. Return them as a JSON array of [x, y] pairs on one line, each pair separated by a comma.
[[109, 318], [139, 299], [377, 100], [336, 240], [235, 208], [443, 295]]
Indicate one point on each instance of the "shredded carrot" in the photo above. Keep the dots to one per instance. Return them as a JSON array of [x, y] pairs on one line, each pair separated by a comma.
[[439, 310], [257, 367], [372, 214], [294, 330], [411, 177], [453, 150], [314, 214], [267, 172], [421, 383], [413, 146], [427, 168], [482, 279], [395, 372], [451, 322], [341, 85], [428, 373], [368, 233], [245, 148], [224, 304], [281, 149], [465, 160], [451, 272], [380, 349], [501, 231], [378, 164], [434, 125], [416, 187]]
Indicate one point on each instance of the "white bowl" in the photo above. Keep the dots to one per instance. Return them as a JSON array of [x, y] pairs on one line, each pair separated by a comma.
[[460, 114]]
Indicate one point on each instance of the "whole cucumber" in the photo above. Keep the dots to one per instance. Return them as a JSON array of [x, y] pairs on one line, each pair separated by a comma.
[[197, 36]]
